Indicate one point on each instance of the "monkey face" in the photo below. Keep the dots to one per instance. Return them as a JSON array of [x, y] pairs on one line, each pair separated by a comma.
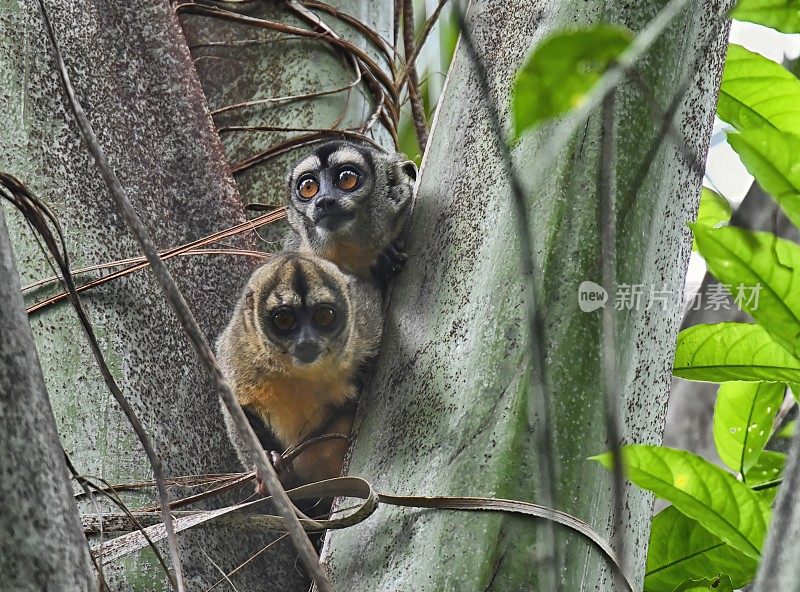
[[304, 331], [342, 188], [302, 308]]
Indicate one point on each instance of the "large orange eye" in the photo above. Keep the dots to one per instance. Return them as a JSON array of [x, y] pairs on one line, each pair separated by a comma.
[[324, 317], [284, 320], [307, 188], [348, 180]]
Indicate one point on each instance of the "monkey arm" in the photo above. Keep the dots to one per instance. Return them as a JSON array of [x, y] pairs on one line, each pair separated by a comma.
[[389, 264]]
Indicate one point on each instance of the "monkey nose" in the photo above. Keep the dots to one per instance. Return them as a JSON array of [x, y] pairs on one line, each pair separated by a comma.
[[307, 351], [325, 202]]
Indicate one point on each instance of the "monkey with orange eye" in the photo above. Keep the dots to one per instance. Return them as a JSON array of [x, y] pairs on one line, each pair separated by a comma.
[[349, 203]]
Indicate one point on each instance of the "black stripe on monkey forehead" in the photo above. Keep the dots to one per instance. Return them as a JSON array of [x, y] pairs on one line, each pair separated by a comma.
[[301, 281], [336, 153]]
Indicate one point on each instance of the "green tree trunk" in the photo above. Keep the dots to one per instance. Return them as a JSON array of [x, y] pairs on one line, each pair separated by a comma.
[[451, 409], [42, 546], [133, 74]]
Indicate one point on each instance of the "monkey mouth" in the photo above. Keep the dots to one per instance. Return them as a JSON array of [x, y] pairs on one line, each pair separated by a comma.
[[333, 220]]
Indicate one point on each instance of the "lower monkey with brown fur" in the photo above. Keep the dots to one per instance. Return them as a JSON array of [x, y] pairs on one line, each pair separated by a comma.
[[293, 354]]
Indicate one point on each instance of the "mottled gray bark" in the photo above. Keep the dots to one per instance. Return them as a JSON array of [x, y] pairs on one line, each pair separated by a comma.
[[450, 408], [780, 569], [133, 74], [42, 546]]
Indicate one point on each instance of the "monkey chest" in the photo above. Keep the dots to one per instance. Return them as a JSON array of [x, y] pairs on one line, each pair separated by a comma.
[[293, 409], [355, 259]]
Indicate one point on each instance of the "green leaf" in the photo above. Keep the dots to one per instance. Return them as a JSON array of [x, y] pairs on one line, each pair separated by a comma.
[[559, 74], [743, 417], [722, 505], [781, 15], [714, 210], [726, 352], [757, 92], [766, 474], [769, 467], [720, 583], [788, 430], [795, 388], [681, 549], [771, 156], [762, 263]]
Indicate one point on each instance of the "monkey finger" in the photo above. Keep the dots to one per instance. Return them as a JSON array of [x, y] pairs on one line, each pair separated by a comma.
[[277, 461]]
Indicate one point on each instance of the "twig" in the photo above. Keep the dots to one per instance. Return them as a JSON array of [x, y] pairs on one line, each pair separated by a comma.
[[363, 58], [398, 19], [293, 143], [275, 128], [387, 50], [138, 260], [417, 108], [422, 38], [259, 552], [426, 29], [173, 295], [138, 520], [193, 499], [375, 78], [289, 98], [134, 524], [225, 578], [97, 512], [269, 218]]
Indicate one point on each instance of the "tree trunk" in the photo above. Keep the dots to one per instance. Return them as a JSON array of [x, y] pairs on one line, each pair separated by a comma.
[[779, 569], [449, 410], [42, 546], [133, 74]]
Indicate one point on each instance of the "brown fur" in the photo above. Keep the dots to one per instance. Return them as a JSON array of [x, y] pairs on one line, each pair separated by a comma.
[[325, 460], [352, 258], [295, 405]]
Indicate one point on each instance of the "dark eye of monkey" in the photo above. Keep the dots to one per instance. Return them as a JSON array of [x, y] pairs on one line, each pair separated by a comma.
[[348, 179], [307, 188], [324, 317], [284, 320]]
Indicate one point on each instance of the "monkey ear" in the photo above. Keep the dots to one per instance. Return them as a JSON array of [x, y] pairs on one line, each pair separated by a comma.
[[249, 299], [410, 169]]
